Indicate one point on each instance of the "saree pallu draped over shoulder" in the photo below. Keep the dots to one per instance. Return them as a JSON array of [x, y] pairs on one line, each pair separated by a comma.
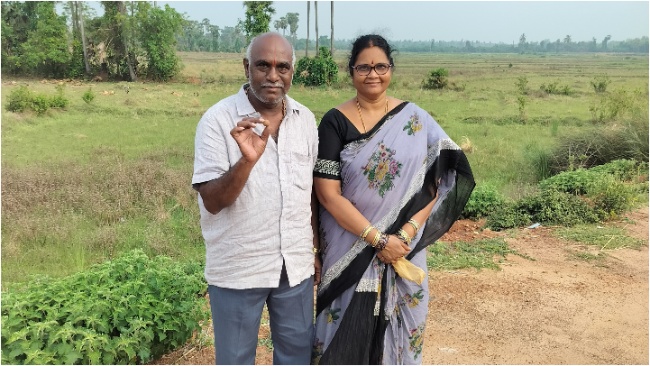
[[366, 313]]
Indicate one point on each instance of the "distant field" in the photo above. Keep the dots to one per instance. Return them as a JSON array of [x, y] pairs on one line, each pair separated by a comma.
[[80, 185]]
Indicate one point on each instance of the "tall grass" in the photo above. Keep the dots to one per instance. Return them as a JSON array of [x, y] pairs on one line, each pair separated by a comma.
[[99, 178]]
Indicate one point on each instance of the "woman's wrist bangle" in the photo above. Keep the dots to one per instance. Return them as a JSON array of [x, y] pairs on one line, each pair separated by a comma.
[[404, 236], [375, 240], [366, 231], [381, 243], [414, 224]]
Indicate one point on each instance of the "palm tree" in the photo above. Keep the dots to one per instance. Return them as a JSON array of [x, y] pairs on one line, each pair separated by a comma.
[[316, 24]]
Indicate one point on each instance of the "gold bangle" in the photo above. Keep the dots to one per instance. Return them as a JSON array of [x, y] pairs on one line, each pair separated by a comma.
[[375, 240], [415, 225], [404, 236], [366, 231]]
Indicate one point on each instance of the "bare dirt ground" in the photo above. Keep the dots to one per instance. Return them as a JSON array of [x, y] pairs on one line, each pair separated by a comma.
[[554, 309]]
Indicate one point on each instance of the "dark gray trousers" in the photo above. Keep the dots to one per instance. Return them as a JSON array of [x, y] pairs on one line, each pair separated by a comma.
[[236, 316]]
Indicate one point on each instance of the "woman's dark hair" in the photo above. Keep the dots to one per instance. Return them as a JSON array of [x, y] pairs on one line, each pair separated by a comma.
[[367, 41]]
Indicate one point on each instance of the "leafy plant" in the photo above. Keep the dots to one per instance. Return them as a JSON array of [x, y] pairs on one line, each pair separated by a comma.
[[19, 99], [477, 254], [600, 83], [126, 311], [317, 70], [88, 96], [484, 199], [437, 79], [522, 85]]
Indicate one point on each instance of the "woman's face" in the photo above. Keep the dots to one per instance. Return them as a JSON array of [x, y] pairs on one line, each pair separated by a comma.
[[373, 84]]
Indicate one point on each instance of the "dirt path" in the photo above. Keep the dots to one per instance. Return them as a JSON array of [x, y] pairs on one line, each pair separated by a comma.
[[553, 310]]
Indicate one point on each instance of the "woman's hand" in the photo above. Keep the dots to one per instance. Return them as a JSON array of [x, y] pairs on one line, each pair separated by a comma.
[[395, 249]]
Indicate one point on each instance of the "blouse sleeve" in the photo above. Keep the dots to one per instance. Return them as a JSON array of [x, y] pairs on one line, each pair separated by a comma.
[[330, 144]]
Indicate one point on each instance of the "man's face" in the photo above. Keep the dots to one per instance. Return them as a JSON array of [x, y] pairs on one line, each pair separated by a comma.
[[269, 70]]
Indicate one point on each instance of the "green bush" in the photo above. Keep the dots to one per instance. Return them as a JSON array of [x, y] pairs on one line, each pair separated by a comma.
[[556, 88], [484, 199], [600, 83], [59, 100], [19, 99], [437, 79], [318, 70], [40, 104], [126, 311], [611, 197], [574, 182], [88, 96], [507, 217], [557, 208]]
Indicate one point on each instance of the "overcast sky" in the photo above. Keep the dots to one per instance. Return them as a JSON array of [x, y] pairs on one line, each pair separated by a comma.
[[485, 21]]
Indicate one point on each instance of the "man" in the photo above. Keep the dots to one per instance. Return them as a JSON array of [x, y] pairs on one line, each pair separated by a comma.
[[254, 156]]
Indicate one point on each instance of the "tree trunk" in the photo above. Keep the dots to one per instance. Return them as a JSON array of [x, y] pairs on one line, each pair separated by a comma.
[[80, 15], [316, 24], [332, 28], [307, 40], [129, 60]]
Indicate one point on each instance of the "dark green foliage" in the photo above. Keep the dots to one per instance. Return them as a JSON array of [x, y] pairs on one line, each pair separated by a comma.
[[507, 217], [158, 37], [574, 182], [126, 311], [437, 79], [88, 96], [484, 199], [316, 71], [611, 197], [557, 208], [258, 17], [19, 99], [556, 88]]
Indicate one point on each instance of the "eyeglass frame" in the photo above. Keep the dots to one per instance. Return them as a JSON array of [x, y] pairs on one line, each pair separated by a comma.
[[390, 66]]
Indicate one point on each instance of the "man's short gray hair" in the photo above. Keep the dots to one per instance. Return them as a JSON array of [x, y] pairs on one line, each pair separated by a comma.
[[250, 46]]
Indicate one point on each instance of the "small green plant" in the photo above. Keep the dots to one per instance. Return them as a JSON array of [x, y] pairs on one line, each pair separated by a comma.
[[507, 217], [19, 99], [40, 104], [437, 79], [522, 85], [521, 105], [602, 237], [556, 88], [88, 96], [600, 83], [59, 100]]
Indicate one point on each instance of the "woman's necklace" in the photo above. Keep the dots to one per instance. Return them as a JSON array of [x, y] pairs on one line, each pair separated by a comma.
[[361, 117]]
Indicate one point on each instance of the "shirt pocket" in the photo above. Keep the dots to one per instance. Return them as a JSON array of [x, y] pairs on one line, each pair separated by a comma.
[[302, 167]]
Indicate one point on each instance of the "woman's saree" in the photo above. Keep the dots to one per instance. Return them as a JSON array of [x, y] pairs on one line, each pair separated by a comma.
[[366, 314]]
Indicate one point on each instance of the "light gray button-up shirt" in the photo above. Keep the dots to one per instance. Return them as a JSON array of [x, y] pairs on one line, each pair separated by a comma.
[[271, 219]]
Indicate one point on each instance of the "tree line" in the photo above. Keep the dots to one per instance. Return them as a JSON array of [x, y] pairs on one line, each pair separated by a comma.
[[137, 39]]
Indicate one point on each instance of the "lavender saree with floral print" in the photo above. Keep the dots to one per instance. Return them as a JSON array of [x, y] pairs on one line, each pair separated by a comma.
[[366, 313]]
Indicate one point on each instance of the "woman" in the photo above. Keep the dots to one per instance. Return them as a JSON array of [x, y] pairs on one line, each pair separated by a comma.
[[390, 182]]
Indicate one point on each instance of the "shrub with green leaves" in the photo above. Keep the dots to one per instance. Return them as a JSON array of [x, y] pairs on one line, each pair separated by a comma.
[[126, 311], [558, 208], [507, 217], [88, 96], [19, 99], [484, 199], [437, 79], [318, 70]]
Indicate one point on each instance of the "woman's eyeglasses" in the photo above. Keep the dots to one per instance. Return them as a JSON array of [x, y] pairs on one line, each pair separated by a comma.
[[380, 69]]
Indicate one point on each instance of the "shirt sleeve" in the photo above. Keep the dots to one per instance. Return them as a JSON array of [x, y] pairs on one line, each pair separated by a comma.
[[210, 149], [330, 144]]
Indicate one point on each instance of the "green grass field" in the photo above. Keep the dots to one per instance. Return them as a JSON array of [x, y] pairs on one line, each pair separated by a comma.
[[83, 184]]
